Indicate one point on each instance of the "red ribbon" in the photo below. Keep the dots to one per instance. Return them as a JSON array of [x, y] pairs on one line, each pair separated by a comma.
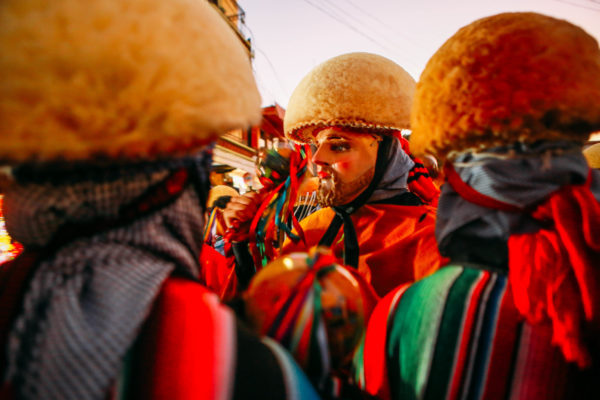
[[473, 196]]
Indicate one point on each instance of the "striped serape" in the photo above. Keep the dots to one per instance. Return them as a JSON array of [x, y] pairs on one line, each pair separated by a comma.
[[192, 347], [457, 334]]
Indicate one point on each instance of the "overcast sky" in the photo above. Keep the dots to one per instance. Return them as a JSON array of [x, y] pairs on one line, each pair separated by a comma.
[[290, 37]]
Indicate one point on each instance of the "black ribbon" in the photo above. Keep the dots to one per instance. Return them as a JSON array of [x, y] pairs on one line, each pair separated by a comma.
[[343, 212]]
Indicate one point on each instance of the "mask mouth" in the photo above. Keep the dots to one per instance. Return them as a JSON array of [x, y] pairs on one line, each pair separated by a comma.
[[324, 174], [333, 192], [328, 187]]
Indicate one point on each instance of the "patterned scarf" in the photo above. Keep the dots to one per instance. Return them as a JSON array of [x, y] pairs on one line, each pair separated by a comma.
[[521, 176], [88, 298], [396, 174]]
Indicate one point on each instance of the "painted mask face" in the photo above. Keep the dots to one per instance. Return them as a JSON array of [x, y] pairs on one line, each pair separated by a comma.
[[346, 164]]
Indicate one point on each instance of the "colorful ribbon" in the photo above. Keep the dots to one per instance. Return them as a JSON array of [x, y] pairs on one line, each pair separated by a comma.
[[275, 219]]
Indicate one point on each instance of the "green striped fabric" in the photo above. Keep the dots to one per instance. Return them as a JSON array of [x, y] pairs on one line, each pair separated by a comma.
[[457, 334]]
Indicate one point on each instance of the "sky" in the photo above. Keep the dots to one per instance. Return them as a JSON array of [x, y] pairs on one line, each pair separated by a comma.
[[290, 37]]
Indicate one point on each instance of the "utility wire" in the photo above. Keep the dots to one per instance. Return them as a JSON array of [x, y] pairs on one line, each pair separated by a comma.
[[363, 23], [347, 25], [286, 93], [333, 15], [261, 84], [409, 39], [279, 82], [579, 5], [399, 47]]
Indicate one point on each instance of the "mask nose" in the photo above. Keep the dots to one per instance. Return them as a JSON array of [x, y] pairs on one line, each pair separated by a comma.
[[319, 157]]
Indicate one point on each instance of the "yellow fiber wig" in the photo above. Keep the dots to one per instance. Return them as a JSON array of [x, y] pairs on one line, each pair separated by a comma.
[[513, 77], [356, 90], [592, 155], [118, 79]]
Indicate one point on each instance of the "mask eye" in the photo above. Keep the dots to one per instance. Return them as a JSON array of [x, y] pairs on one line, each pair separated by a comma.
[[339, 147]]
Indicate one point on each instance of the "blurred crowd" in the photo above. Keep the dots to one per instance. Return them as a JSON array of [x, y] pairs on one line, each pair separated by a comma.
[[434, 239]]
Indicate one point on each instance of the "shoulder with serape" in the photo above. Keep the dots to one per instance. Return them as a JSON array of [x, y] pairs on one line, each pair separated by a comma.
[[458, 333]]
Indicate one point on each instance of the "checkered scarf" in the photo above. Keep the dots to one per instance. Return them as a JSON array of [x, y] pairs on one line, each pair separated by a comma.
[[87, 299], [396, 174]]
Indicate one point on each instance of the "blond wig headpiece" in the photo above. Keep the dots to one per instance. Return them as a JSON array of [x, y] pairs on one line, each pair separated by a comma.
[[118, 79], [219, 191], [592, 155], [514, 77], [358, 90]]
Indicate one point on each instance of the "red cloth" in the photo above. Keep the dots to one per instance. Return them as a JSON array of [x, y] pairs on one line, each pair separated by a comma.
[[217, 272], [555, 272], [187, 347], [419, 180], [397, 243], [375, 365], [13, 278]]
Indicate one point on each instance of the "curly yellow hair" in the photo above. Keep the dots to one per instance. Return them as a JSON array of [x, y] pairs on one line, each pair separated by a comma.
[[131, 79], [592, 155], [513, 77], [361, 91]]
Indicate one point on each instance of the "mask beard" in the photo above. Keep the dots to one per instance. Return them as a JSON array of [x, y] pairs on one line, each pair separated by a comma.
[[333, 192]]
